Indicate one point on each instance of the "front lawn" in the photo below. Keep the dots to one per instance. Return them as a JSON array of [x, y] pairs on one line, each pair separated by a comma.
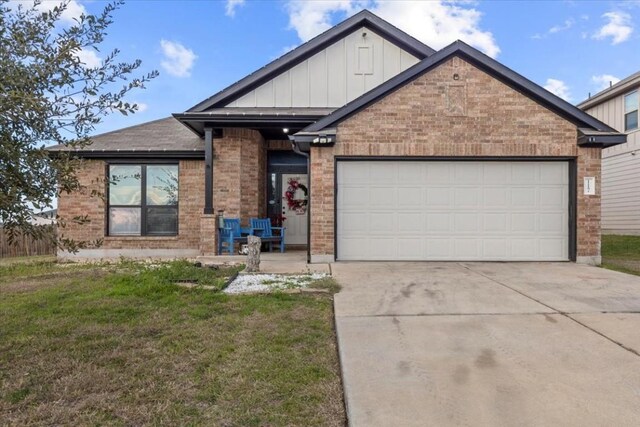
[[123, 345], [621, 253]]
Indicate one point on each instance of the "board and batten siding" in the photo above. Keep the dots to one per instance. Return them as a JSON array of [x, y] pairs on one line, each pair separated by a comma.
[[620, 172], [334, 76]]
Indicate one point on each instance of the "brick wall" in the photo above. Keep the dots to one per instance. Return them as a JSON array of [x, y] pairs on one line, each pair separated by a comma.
[[92, 177], [239, 188], [239, 164], [435, 115]]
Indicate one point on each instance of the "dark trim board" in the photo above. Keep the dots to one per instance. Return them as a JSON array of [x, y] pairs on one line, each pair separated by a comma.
[[147, 156], [573, 188]]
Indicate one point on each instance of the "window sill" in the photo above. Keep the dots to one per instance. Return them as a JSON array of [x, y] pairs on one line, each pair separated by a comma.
[[140, 238]]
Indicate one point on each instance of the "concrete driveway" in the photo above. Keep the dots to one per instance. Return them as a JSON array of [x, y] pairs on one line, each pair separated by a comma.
[[492, 344]]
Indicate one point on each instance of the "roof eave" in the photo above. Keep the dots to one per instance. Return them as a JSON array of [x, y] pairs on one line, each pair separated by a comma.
[[194, 154]]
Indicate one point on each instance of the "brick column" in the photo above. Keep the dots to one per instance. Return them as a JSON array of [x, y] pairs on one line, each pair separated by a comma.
[[208, 235]]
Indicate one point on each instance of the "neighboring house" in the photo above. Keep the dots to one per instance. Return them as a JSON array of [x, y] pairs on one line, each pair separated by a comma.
[[618, 107], [373, 146]]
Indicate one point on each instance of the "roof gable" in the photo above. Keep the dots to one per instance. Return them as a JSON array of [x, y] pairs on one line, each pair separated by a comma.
[[289, 61], [478, 59]]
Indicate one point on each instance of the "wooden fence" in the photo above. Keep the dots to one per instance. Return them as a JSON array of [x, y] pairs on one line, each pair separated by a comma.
[[26, 246]]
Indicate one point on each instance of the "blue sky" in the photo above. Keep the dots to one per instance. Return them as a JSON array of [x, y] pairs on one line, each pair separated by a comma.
[[200, 47]]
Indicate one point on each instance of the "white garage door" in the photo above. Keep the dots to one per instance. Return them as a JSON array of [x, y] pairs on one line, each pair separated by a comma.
[[452, 210]]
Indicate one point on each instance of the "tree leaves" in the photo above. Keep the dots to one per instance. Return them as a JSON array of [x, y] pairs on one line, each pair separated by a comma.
[[48, 97]]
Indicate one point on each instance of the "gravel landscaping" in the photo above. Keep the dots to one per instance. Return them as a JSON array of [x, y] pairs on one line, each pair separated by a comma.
[[255, 283]]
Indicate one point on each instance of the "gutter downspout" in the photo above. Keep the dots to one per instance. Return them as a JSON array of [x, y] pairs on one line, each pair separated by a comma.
[[297, 150]]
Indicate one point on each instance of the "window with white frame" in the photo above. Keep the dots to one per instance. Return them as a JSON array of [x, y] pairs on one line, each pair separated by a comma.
[[631, 111], [143, 199]]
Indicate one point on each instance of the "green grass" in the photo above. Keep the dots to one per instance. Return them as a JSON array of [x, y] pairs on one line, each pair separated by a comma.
[[621, 253], [123, 345], [621, 247]]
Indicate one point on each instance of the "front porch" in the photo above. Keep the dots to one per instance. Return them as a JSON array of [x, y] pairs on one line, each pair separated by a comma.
[[253, 171], [290, 262]]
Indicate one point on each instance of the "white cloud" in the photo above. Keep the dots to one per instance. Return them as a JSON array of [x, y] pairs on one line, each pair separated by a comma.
[[558, 88], [89, 58], [619, 27], [565, 26], [232, 5], [142, 107], [71, 13], [178, 60], [436, 23], [603, 81]]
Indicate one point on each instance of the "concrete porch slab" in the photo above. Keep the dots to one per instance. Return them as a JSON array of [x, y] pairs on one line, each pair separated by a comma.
[[291, 262]]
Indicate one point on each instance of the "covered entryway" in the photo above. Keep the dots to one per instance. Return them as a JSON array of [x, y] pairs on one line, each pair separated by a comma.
[[453, 210]]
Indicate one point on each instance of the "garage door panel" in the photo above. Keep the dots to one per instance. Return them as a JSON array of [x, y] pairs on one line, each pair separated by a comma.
[[355, 173], [438, 197], [410, 197], [353, 197], [438, 248], [552, 197], [385, 173], [411, 223], [411, 173], [452, 210], [466, 248], [410, 248], [552, 247], [495, 248], [495, 197], [496, 222], [384, 197], [439, 222], [466, 197], [524, 173], [523, 222], [496, 173], [355, 223], [383, 223], [383, 248], [465, 223], [467, 173], [438, 173], [552, 223], [523, 197]]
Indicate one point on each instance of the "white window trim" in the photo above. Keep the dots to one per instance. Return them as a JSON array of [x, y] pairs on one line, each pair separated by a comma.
[[625, 112]]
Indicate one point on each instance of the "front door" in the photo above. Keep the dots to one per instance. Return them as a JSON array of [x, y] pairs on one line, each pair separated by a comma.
[[295, 206]]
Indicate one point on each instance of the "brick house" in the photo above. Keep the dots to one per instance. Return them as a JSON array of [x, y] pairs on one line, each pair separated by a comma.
[[373, 146]]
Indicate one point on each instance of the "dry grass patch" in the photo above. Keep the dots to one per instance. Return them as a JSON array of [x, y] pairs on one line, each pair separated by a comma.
[[125, 346]]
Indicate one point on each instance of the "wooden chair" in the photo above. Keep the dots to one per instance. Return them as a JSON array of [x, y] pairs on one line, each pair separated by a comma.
[[262, 228], [230, 234]]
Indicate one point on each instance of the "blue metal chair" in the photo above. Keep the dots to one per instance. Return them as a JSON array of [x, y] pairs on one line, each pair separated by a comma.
[[230, 234], [262, 228]]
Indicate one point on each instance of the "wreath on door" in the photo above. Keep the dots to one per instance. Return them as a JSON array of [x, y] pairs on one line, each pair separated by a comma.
[[299, 206]]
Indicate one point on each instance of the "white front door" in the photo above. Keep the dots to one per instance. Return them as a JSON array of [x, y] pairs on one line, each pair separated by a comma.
[[295, 205]]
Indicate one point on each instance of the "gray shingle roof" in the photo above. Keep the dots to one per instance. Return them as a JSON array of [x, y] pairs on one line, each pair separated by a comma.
[[166, 134]]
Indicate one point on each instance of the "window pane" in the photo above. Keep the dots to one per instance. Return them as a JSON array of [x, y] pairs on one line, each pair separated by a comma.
[[162, 184], [162, 220], [125, 184], [631, 102], [124, 221], [631, 121]]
